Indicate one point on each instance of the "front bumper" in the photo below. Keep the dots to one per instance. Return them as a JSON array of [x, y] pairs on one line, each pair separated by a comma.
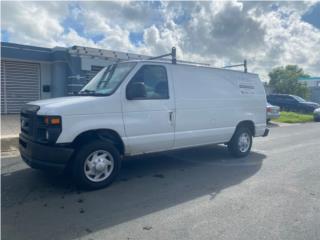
[[42, 156]]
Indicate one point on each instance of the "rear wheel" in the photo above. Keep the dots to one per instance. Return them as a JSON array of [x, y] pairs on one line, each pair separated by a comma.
[[241, 142], [96, 165]]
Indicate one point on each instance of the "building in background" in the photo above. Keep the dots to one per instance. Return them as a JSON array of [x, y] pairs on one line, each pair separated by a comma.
[[30, 73], [313, 83]]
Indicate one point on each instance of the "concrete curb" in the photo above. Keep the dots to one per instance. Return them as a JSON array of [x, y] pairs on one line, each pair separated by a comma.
[[9, 144]]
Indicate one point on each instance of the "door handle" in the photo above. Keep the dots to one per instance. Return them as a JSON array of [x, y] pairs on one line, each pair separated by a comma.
[[171, 116]]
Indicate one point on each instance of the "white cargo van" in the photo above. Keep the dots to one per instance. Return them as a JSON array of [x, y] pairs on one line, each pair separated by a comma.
[[139, 107]]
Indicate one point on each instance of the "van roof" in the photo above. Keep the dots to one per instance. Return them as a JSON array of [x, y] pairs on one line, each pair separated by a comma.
[[168, 62]]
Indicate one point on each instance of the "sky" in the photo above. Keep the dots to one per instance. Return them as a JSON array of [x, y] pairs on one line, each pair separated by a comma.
[[267, 34]]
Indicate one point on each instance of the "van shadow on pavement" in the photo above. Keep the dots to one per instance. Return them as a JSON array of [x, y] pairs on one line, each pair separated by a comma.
[[38, 206]]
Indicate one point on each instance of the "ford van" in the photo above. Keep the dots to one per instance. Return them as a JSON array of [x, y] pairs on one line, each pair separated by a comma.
[[138, 107]]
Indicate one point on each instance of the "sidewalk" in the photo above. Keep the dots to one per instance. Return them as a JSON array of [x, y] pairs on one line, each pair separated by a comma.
[[10, 128], [10, 125]]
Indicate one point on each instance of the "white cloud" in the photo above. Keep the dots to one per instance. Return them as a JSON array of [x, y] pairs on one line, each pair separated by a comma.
[[72, 38], [224, 29], [33, 23], [267, 34], [288, 40]]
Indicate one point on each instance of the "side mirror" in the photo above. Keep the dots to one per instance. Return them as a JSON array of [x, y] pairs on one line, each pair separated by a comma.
[[136, 90]]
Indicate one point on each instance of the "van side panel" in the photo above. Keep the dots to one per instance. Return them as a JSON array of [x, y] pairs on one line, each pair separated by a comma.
[[211, 102]]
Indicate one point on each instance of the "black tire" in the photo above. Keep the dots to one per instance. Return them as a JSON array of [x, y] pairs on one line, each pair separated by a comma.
[[234, 146], [81, 156]]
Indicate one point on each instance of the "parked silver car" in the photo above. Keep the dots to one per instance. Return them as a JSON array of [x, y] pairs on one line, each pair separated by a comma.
[[316, 115], [272, 112]]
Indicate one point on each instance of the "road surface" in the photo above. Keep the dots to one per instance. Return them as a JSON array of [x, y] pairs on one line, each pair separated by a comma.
[[199, 193]]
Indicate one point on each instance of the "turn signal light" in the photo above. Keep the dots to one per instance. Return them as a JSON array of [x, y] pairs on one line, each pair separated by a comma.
[[55, 121], [52, 120]]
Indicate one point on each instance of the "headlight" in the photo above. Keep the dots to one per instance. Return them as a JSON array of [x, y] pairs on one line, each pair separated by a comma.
[[317, 110], [49, 128]]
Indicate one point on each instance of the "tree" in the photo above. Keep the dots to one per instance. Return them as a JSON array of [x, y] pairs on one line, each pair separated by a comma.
[[285, 80]]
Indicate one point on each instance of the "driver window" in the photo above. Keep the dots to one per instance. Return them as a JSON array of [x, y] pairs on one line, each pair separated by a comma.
[[154, 79]]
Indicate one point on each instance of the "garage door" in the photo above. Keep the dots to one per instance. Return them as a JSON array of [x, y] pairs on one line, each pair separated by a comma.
[[20, 83]]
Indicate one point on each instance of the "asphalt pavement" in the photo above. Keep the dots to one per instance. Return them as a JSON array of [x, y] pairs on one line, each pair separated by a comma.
[[200, 193]]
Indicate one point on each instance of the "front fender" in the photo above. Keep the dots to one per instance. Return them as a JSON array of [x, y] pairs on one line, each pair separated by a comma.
[[74, 125]]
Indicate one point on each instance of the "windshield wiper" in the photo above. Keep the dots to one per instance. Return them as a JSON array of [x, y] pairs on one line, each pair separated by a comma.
[[99, 94], [87, 91], [91, 92]]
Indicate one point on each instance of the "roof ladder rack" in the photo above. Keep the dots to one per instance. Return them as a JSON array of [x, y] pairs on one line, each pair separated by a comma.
[[173, 54], [244, 64]]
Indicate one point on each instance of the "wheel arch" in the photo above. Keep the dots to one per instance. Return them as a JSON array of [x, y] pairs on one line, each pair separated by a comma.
[[249, 124], [102, 134]]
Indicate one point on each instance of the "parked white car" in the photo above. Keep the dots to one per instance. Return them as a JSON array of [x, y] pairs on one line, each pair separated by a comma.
[[273, 112], [139, 107]]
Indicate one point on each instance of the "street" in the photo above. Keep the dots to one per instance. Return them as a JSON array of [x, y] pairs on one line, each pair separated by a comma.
[[199, 193]]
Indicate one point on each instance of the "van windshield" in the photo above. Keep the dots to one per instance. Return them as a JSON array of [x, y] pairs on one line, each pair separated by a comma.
[[107, 80]]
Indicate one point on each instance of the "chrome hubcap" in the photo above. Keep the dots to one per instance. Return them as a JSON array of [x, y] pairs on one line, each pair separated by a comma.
[[244, 142], [98, 165]]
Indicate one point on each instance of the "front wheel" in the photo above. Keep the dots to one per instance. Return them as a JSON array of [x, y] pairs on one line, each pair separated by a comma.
[[96, 165], [241, 142]]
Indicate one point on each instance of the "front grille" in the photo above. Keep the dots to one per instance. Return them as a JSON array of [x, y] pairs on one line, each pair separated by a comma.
[[28, 120], [34, 128], [26, 123]]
